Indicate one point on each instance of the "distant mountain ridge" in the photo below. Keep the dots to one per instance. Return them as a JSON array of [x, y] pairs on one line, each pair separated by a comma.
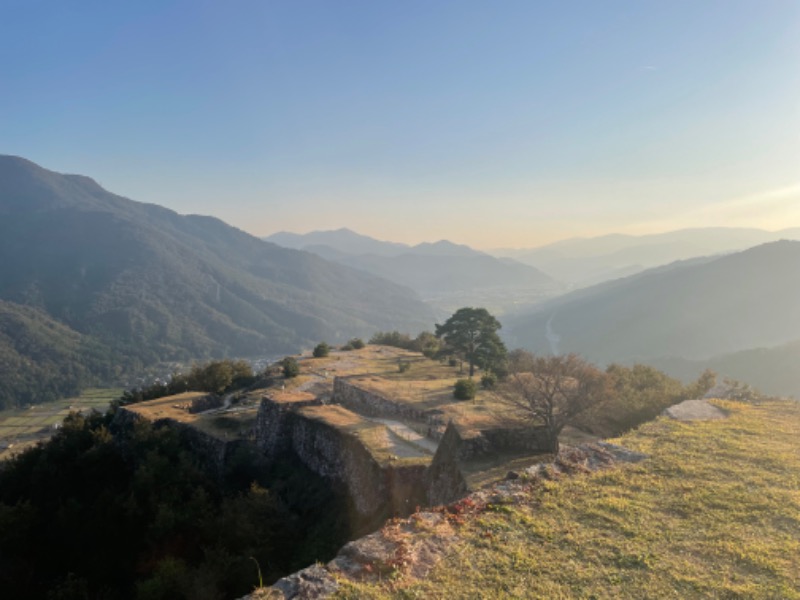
[[347, 241], [343, 240], [585, 261], [693, 310], [147, 284], [447, 274]]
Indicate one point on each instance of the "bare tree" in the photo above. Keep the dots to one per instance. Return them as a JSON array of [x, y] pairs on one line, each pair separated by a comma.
[[551, 390]]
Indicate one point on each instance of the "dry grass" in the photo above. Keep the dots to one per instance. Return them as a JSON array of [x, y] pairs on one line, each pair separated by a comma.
[[713, 513], [169, 407]]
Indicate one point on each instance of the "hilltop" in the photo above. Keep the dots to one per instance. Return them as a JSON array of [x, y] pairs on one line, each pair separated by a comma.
[[289, 466], [712, 511]]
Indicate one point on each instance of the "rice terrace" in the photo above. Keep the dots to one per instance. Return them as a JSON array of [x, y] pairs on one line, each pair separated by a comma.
[[23, 427]]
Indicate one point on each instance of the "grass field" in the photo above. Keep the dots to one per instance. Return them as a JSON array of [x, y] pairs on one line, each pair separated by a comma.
[[425, 384], [714, 512], [22, 427]]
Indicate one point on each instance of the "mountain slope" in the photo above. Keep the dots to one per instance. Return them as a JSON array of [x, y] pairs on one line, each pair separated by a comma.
[[153, 285], [697, 310], [770, 370], [585, 261], [40, 358], [451, 273]]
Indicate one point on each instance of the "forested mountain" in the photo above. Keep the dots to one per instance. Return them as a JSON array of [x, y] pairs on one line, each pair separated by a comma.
[[770, 370], [41, 358], [146, 284], [586, 261], [448, 275], [695, 310]]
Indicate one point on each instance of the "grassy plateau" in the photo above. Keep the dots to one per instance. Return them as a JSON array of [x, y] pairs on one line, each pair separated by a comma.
[[714, 512]]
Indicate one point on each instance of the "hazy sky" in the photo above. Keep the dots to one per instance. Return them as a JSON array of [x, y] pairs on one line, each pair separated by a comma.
[[492, 123]]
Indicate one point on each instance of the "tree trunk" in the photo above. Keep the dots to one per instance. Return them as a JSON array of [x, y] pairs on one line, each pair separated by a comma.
[[471, 368], [554, 444]]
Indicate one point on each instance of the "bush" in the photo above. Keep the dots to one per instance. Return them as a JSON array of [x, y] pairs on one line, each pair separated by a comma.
[[403, 366], [354, 344], [392, 338], [291, 368], [321, 350], [464, 389], [488, 381], [452, 362]]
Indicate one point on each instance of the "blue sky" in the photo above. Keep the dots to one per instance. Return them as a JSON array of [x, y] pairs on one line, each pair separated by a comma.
[[490, 123]]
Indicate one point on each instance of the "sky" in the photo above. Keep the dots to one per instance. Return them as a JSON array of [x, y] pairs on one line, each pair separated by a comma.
[[491, 123]]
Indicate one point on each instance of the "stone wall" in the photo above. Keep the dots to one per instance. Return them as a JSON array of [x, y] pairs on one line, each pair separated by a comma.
[[444, 481], [213, 453], [519, 439], [337, 455], [349, 394], [272, 433]]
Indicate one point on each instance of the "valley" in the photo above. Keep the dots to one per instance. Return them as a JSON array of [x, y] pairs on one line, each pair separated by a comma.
[[360, 436]]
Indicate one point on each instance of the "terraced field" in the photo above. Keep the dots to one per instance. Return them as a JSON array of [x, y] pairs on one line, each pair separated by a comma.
[[23, 427]]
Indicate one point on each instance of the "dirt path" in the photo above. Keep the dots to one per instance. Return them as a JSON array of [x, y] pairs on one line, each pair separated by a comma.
[[399, 447], [407, 434]]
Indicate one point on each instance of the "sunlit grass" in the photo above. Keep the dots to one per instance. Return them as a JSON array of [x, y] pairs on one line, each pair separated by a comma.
[[714, 512]]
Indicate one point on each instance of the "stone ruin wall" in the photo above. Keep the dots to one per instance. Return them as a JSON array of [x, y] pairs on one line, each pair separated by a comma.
[[213, 452], [522, 439], [339, 456], [364, 402], [336, 455]]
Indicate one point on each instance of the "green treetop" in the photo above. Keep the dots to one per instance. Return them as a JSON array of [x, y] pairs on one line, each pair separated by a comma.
[[472, 334]]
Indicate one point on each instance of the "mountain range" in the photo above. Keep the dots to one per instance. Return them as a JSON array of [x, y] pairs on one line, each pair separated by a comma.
[[97, 287], [445, 274], [124, 284], [694, 310], [587, 261]]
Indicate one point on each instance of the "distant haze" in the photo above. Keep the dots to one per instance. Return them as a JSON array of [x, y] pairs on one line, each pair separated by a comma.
[[493, 125]]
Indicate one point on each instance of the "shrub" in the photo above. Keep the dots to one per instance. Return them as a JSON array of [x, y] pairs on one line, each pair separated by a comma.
[[291, 367], [464, 389], [392, 338], [354, 344], [403, 366], [452, 362], [488, 381], [321, 350]]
